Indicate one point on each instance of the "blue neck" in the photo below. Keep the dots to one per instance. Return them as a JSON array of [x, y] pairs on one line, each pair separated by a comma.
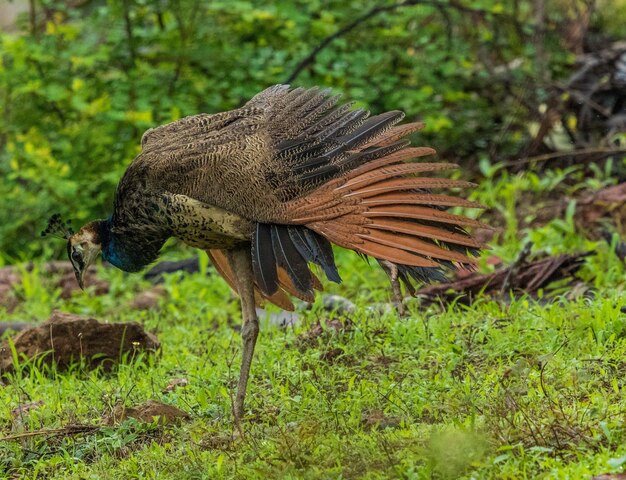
[[125, 251]]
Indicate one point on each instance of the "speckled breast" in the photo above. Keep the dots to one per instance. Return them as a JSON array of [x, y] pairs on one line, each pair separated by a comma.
[[206, 226]]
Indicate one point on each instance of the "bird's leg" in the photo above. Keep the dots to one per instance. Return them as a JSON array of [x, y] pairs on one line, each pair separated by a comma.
[[391, 269], [241, 264]]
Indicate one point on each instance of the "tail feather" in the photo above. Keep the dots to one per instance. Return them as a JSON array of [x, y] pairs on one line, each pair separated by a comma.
[[395, 133], [385, 208], [393, 198], [396, 157], [316, 249], [396, 255], [424, 231], [392, 171], [399, 184], [420, 213], [263, 259], [371, 128], [313, 114], [288, 285], [330, 146], [413, 244], [323, 254], [347, 183]]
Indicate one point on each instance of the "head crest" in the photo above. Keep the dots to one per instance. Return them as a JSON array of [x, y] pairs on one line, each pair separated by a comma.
[[58, 228]]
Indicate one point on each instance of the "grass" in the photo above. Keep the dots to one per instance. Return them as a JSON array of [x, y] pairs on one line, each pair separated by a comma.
[[529, 389]]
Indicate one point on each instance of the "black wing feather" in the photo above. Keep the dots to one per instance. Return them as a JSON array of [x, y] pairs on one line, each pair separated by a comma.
[[263, 259], [300, 242], [316, 249], [289, 258], [323, 254]]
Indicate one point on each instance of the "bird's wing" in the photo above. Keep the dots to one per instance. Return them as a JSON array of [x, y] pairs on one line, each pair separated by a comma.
[[250, 161]]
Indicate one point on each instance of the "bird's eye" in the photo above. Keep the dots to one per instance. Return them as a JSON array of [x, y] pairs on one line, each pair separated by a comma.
[[76, 256]]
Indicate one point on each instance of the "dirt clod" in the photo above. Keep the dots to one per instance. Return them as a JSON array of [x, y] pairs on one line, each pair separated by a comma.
[[65, 338], [146, 412]]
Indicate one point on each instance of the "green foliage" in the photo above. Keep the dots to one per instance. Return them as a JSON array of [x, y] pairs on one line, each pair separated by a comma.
[[524, 390], [80, 85]]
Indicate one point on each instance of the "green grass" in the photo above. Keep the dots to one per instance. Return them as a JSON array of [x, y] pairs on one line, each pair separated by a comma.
[[521, 390]]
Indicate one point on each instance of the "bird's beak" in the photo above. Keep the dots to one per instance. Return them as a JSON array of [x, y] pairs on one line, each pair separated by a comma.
[[79, 278]]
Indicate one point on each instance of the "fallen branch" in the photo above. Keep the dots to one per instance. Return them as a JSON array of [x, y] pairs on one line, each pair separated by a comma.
[[68, 430], [514, 268], [524, 278]]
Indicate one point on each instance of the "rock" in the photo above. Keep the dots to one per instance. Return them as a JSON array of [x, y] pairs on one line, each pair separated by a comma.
[[338, 304], [65, 338], [146, 412], [282, 319], [155, 274]]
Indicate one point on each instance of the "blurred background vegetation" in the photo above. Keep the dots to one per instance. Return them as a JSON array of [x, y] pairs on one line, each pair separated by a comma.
[[495, 81]]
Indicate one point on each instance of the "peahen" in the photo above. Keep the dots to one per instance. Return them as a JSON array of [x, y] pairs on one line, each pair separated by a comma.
[[267, 188]]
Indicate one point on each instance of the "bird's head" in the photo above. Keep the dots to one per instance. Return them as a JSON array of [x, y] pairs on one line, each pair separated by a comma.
[[83, 247]]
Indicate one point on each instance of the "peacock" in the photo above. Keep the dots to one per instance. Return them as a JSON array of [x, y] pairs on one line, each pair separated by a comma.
[[268, 188]]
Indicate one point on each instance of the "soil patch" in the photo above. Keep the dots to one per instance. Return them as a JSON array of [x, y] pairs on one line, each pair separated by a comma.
[[147, 412], [65, 338]]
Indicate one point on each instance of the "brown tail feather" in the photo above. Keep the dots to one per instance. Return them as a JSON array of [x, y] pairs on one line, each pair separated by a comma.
[[415, 245], [396, 157], [394, 134], [382, 209], [391, 171], [399, 184], [397, 198], [396, 255], [420, 213], [425, 231]]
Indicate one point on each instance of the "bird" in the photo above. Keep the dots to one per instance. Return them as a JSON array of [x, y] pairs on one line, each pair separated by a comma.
[[266, 190]]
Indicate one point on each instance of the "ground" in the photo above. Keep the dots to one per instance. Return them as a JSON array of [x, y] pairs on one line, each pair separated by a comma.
[[523, 388]]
